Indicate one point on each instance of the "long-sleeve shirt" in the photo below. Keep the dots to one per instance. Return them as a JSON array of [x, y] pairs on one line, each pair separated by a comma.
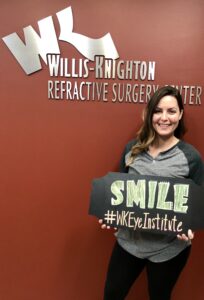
[[182, 161]]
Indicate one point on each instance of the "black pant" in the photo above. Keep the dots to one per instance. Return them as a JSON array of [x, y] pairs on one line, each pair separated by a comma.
[[124, 269]]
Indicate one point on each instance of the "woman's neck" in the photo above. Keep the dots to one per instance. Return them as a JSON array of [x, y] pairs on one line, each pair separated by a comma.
[[161, 144]]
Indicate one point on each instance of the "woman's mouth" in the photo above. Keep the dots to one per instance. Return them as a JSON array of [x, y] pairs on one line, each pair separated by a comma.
[[161, 125]]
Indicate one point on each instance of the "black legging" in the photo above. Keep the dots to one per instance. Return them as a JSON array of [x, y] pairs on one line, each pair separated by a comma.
[[124, 269]]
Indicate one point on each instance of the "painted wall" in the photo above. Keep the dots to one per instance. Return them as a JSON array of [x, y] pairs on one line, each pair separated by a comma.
[[50, 150]]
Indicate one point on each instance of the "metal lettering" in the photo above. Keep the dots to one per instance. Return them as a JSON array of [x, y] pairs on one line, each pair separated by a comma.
[[88, 47], [198, 94], [28, 54]]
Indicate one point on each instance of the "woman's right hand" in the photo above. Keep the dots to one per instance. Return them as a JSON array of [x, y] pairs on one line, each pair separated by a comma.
[[103, 225]]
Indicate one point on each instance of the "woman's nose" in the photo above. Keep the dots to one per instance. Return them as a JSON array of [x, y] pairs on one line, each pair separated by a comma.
[[164, 115]]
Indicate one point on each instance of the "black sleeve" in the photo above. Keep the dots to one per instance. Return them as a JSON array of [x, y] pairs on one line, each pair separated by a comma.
[[197, 171], [195, 163], [128, 147], [196, 166]]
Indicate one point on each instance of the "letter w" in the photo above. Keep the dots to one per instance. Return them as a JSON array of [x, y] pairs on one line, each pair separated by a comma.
[[28, 54]]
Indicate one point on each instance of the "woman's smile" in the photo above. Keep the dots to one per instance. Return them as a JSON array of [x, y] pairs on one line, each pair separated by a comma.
[[166, 116]]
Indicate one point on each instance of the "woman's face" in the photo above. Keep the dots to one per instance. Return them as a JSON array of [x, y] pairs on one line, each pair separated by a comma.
[[166, 116]]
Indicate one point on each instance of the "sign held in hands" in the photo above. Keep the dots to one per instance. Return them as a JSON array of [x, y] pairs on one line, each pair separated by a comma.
[[148, 203]]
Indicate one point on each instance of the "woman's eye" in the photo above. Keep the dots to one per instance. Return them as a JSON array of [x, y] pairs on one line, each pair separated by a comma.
[[157, 111], [171, 112]]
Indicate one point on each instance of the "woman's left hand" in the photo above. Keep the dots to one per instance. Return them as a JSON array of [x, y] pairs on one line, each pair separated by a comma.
[[185, 237]]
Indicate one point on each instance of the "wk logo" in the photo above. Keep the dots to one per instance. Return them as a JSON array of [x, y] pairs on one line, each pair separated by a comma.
[[28, 54]]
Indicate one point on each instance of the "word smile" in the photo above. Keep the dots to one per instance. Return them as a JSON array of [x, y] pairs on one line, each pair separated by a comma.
[[136, 194]]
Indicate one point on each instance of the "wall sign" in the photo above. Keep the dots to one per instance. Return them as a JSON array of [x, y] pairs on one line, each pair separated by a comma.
[[148, 203], [115, 80]]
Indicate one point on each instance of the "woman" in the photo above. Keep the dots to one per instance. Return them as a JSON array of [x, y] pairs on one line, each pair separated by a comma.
[[159, 151]]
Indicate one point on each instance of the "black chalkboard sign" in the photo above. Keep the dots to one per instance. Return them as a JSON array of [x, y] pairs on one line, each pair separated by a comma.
[[148, 203]]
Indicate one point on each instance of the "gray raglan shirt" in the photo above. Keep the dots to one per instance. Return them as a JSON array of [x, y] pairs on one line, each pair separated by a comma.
[[182, 161]]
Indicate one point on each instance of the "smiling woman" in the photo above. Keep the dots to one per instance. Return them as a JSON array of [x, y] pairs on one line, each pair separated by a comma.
[[163, 122], [157, 151], [166, 117]]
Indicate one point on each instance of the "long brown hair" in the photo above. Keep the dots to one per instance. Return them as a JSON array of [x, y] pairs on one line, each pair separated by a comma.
[[146, 133]]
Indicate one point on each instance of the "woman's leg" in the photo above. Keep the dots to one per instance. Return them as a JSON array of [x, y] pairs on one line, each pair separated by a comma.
[[123, 269], [162, 277]]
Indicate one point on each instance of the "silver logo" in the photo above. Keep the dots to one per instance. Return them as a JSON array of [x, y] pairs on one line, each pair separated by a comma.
[[27, 54]]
